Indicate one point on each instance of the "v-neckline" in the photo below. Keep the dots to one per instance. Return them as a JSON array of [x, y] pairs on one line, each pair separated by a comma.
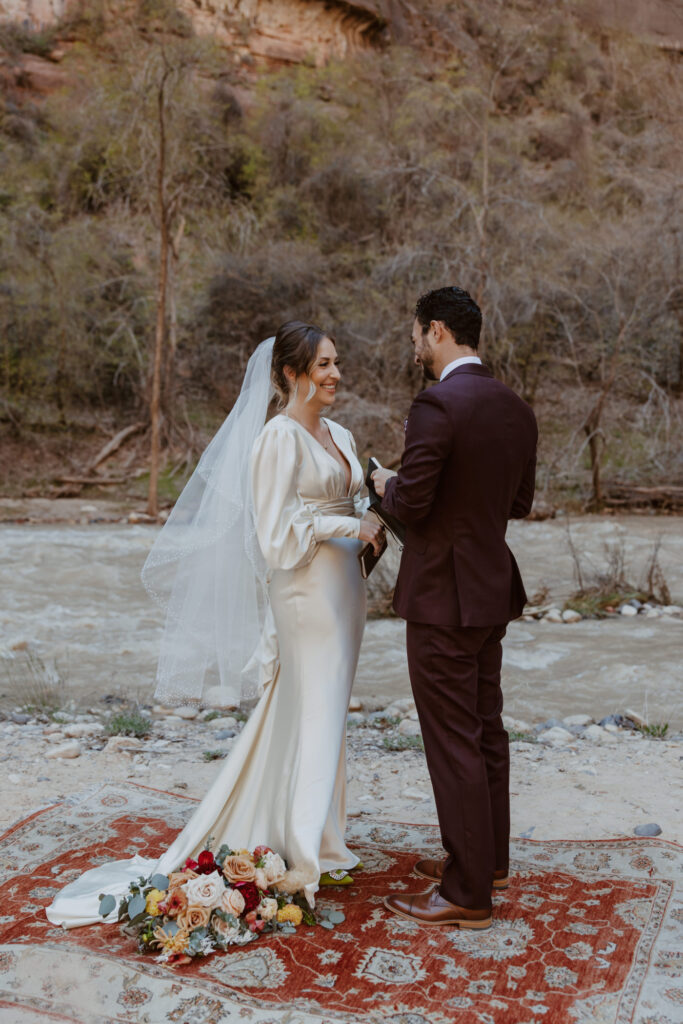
[[322, 446]]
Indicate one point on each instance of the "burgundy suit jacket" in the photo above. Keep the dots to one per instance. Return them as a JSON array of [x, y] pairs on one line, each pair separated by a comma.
[[468, 466]]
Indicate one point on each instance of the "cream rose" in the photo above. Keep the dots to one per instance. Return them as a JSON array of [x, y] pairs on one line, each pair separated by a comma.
[[239, 868], [260, 879], [193, 917], [205, 890], [233, 902], [274, 868], [267, 909]]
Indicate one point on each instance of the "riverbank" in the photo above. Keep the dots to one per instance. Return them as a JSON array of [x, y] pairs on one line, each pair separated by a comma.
[[595, 782]]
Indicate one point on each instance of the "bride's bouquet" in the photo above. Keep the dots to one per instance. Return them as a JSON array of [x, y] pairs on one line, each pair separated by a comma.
[[212, 903]]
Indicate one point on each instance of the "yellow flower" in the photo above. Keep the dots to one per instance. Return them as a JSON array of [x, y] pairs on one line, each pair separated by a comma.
[[154, 898], [291, 913], [171, 944]]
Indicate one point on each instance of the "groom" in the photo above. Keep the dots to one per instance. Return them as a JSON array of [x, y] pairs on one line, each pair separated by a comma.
[[468, 466]]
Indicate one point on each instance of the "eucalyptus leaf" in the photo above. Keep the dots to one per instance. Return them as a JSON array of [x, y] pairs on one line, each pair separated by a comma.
[[336, 916], [324, 923], [171, 928], [136, 906], [159, 882], [107, 904]]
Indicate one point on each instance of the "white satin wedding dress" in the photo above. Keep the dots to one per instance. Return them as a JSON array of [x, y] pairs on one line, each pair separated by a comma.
[[284, 781]]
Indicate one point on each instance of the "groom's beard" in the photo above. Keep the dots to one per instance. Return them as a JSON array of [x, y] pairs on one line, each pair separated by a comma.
[[428, 371]]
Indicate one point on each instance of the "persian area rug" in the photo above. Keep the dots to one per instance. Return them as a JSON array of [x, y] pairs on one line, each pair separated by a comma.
[[587, 933]]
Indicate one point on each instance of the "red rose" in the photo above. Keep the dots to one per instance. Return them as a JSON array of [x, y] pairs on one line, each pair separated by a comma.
[[261, 851], [206, 863], [191, 865], [252, 897]]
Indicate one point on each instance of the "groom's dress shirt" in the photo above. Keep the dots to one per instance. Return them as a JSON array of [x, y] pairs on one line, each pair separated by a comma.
[[462, 361], [468, 466]]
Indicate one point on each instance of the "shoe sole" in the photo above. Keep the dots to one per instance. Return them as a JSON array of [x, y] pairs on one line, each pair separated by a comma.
[[499, 883], [457, 922]]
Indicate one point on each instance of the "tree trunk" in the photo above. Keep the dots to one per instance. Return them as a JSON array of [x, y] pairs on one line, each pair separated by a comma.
[[159, 335]]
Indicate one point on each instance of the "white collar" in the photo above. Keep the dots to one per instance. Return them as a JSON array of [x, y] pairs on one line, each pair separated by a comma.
[[459, 362]]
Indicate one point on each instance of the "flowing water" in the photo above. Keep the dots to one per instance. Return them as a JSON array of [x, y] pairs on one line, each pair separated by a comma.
[[73, 594]]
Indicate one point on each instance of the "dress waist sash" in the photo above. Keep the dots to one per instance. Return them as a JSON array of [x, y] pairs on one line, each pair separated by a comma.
[[334, 506]]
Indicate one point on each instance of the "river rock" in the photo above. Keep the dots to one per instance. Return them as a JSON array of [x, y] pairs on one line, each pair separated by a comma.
[[225, 734], [79, 729], [355, 718], [596, 734], [228, 722], [186, 713], [66, 750], [628, 610], [355, 704], [672, 609], [555, 737], [647, 830], [554, 615], [635, 717], [515, 724], [19, 718], [570, 615], [577, 720], [122, 744], [409, 727], [399, 708]]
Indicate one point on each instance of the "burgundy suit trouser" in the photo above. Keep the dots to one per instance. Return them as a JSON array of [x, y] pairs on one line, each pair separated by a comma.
[[455, 676]]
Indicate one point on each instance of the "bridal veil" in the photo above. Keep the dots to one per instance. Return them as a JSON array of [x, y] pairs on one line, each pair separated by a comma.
[[206, 567]]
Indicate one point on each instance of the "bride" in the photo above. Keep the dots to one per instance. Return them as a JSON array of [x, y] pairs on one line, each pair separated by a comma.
[[257, 567]]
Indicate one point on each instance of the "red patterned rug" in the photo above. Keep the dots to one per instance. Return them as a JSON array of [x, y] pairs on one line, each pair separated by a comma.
[[587, 933]]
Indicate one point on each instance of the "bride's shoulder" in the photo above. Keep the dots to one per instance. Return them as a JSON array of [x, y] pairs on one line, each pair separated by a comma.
[[276, 431]]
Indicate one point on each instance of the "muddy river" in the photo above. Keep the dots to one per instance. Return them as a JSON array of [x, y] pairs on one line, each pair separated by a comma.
[[73, 594]]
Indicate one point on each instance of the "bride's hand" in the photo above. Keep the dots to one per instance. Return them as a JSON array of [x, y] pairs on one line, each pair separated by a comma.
[[372, 532]]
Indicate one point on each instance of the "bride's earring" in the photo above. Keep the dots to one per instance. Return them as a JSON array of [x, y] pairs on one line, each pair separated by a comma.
[[311, 392]]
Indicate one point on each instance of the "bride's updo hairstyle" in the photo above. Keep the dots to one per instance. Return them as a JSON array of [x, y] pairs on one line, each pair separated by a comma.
[[296, 345]]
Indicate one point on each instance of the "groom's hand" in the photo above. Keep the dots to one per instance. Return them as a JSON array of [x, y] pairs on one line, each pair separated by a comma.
[[379, 479]]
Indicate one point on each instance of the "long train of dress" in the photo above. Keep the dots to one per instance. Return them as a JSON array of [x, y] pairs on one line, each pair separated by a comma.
[[284, 781]]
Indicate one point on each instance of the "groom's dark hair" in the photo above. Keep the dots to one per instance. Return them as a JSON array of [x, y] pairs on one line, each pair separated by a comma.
[[456, 309]]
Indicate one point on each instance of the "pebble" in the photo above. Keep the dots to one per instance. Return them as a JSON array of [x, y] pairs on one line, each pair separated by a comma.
[[555, 737], [54, 727], [628, 610], [19, 719], [355, 704], [635, 717], [672, 609], [399, 707], [647, 830], [409, 727], [570, 615], [14, 778], [225, 734], [65, 750], [577, 720], [355, 718], [79, 729], [223, 723], [415, 794]]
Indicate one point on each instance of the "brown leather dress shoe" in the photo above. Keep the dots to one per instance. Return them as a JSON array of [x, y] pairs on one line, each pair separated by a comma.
[[431, 908], [433, 870]]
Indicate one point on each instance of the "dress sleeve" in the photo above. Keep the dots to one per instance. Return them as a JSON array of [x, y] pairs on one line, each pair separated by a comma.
[[288, 529]]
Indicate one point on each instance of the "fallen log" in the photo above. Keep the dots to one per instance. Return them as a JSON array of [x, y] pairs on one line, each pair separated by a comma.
[[624, 496], [88, 481], [114, 444]]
